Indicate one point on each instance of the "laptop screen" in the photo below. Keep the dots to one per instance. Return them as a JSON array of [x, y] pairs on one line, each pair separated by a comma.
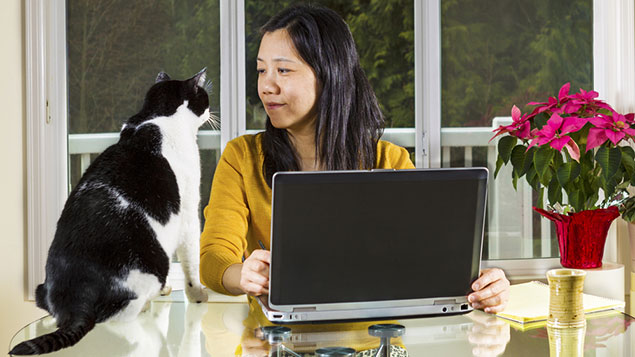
[[359, 236]]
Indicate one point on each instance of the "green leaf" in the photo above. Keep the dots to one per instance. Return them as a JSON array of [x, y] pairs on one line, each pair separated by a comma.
[[555, 192], [542, 159], [586, 161], [628, 210], [545, 179], [576, 199], [623, 186], [518, 159], [608, 186], [557, 160], [591, 187], [590, 201], [505, 146], [627, 149], [539, 201], [619, 176], [532, 178], [568, 172], [529, 157], [499, 164], [609, 160], [515, 180], [628, 159]]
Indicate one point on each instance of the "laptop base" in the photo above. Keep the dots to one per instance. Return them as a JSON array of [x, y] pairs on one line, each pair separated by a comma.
[[331, 316]]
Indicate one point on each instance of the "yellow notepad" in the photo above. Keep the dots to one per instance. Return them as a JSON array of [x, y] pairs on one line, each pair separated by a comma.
[[528, 304]]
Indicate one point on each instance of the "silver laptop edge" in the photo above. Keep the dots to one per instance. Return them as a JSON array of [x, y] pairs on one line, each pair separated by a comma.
[[364, 313]]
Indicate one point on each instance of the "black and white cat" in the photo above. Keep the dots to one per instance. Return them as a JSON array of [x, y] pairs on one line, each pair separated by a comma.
[[133, 208]]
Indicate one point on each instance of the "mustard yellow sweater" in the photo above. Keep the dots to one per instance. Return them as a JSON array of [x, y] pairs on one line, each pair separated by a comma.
[[239, 209]]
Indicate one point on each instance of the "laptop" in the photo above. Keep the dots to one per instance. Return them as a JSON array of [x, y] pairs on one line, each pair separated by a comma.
[[357, 245]]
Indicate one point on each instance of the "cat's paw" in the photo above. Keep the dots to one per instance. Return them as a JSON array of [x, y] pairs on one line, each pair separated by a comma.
[[167, 289], [195, 292]]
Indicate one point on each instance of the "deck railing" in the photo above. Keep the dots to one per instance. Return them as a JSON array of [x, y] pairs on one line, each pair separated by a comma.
[[510, 232]]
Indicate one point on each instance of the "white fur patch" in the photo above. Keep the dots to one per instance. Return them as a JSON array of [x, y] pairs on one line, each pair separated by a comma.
[[145, 286], [182, 231], [123, 203], [167, 234], [113, 192]]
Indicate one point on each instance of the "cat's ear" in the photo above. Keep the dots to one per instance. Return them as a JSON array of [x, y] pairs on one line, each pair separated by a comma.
[[162, 76], [199, 79]]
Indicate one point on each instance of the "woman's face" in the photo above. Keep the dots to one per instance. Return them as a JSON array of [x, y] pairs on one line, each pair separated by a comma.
[[287, 85]]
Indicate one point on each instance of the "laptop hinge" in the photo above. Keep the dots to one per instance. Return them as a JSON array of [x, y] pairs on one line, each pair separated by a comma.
[[445, 302], [303, 309]]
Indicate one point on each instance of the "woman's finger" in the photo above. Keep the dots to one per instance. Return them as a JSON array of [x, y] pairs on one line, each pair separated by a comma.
[[487, 277], [495, 303], [496, 288]]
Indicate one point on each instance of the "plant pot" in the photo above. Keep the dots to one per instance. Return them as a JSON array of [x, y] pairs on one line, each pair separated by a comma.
[[581, 235]]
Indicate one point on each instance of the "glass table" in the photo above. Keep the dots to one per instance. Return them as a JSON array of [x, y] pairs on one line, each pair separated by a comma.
[[174, 327]]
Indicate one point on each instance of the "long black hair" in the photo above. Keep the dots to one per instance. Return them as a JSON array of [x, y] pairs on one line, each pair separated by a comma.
[[349, 121]]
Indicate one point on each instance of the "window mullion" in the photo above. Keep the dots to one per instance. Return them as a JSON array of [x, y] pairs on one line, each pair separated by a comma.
[[232, 74], [428, 83]]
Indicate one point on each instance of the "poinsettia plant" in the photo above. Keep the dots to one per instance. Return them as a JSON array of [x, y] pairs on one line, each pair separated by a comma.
[[573, 143]]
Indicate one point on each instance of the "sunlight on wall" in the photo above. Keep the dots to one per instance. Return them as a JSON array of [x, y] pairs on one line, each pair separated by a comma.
[[14, 310]]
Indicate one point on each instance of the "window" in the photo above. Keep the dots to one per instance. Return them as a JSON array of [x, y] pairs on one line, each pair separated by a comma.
[[494, 55], [115, 51], [87, 62]]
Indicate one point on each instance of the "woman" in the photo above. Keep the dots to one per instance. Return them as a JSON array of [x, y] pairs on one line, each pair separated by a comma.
[[322, 115]]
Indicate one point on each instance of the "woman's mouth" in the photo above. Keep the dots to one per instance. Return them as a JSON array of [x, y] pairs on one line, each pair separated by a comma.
[[274, 106]]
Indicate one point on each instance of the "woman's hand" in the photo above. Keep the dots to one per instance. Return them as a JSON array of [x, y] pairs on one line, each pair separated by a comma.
[[254, 275], [491, 291]]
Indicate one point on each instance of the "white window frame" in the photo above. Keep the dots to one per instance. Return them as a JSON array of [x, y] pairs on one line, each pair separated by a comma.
[[46, 100], [46, 137]]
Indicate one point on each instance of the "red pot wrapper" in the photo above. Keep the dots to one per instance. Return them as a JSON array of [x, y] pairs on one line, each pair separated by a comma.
[[581, 235]]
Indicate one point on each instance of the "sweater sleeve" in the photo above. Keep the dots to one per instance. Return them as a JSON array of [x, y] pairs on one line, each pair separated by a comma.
[[402, 159], [223, 240], [391, 156]]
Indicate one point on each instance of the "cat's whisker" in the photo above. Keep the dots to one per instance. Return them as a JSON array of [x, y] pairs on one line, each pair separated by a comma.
[[213, 121]]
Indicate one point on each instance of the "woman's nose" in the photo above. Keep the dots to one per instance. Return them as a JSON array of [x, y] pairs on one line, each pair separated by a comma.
[[268, 84]]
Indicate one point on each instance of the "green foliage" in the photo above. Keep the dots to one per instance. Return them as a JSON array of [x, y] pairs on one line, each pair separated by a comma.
[[494, 53], [505, 147], [568, 172], [116, 49], [542, 160], [610, 169], [609, 160], [499, 52], [628, 210]]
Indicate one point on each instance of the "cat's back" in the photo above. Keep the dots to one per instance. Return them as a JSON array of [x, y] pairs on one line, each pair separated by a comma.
[[131, 174]]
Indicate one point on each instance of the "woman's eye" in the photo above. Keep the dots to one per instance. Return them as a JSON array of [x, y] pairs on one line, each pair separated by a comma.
[[283, 70], [260, 70]]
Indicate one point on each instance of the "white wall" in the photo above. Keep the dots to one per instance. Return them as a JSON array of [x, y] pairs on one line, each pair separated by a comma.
[[15, 311]]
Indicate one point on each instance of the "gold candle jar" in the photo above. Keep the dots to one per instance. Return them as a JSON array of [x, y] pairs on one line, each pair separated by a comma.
[[565, 298]]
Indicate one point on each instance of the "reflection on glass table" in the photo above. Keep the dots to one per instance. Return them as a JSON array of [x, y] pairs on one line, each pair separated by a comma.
[[173, 327]]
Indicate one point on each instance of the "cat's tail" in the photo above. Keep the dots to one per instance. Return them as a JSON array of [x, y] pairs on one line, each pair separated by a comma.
[[54, 341]]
